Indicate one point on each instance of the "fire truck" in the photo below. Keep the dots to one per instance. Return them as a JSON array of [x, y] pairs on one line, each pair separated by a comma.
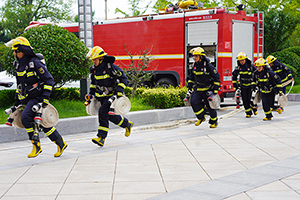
[[222, 32]]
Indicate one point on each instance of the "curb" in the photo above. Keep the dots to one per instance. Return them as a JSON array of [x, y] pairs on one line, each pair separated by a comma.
[[90, 123]]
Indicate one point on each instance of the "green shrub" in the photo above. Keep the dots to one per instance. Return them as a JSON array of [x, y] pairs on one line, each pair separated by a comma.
[[289, 58], [7, 98], [164, 97], [65, 93]]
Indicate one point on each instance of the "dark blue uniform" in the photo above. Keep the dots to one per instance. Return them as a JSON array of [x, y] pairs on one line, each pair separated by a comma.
[[283, 72], [102, 78], [203, 78], [270, 84], [245, 73], [34, 86]]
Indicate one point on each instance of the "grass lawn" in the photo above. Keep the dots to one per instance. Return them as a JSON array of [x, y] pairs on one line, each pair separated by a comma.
[[67, 109]]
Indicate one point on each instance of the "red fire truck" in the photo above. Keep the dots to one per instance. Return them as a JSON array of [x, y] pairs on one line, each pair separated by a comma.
[[221, 32]]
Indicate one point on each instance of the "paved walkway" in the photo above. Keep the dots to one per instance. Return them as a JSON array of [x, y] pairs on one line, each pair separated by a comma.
[[242, 159]]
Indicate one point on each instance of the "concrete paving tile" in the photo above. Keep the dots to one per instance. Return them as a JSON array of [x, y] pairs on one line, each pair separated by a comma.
[[234, 165], [250, 154], [43, 178], [137, 167], [138, 176], [294, 184], [91, 168], [224, 135], [275, 186], [134, 196], [253, 163], [215, 174], [184, 175], [9, 178], [29, 197], [273, 195], [36, 189], [84, 197], [296, 176], [102, 188], [200, 143], [109, 157], [241, 196], [175, 167], [213, 157], [176, 159], [91, 177], [4, 187], [139, 187], [180, 184]]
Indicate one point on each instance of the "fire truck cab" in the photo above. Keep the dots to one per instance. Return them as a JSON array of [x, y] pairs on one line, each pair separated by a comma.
[[222, 32]]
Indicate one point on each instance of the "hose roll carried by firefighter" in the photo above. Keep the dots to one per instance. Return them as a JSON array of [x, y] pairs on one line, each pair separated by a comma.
[[48, 116]]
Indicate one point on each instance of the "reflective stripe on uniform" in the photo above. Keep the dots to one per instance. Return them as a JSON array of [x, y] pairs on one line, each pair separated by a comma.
[[102, 128], [199, 112], [121, 121], [105, 76], [29, 130], [51, 131], [48, 87]]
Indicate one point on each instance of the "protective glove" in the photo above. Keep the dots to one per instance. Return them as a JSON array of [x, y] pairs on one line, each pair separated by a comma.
[[10, 110], [280, 93], [188, 96], [112, 99]]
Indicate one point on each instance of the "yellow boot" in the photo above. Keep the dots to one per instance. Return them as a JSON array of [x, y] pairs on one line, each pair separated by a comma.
[[128, 129], [214, 125], [61, 146], [199, 121], [36, 149], [100, 141]]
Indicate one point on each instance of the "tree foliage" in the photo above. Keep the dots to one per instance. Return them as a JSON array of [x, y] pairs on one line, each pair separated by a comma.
[[17, 14], [135, 69], [134, 8], [64, 53]]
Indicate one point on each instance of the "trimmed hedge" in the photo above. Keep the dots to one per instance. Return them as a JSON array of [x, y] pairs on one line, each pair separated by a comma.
[[157, 97], [7, 98], [164, 97]]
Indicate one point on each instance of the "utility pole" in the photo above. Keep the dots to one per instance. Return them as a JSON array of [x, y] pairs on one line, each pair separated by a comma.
[[85, 32], [105, 9]]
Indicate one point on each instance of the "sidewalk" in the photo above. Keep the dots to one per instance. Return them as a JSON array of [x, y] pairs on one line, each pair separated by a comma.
[[241, 159]]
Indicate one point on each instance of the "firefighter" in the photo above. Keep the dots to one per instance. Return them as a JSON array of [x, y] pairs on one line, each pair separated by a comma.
[[204, 79], [281, 70], [245, 71], [107, 83], [270, 84], [34, 85]]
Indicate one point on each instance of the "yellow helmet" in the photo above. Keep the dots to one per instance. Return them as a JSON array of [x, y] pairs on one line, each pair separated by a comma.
[[96, 52], [270, 59], [197, 51], [20, 41], [241, 56], [260, 62]]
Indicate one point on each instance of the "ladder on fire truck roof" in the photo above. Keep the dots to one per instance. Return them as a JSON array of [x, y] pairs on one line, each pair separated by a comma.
[[260, 35]]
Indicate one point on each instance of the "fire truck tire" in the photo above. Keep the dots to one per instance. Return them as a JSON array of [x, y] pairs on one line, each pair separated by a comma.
[[165, 82]]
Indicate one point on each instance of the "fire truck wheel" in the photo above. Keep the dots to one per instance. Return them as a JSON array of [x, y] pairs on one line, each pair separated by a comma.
[[165, 82]]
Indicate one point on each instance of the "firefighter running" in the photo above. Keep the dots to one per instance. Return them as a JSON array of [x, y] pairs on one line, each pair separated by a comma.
[[205, 81], [108, 83], [269, 83], [34, 86], [245, 71], [281, 70]]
